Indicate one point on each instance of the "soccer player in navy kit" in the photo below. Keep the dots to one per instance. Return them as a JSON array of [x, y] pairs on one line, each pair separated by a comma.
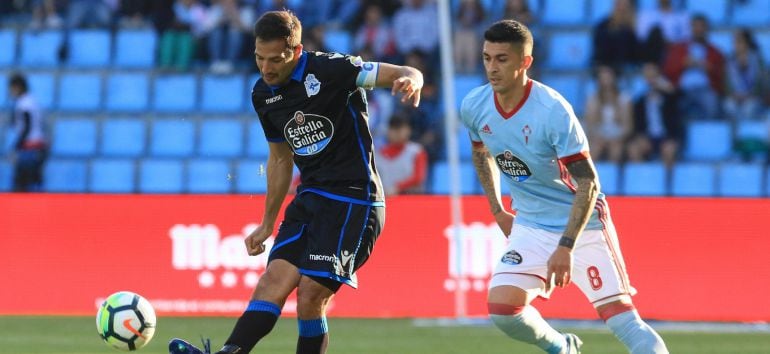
[[562, 230], [313, 110]]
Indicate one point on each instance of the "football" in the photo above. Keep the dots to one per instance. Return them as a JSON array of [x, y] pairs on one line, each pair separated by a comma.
[[126, 321]]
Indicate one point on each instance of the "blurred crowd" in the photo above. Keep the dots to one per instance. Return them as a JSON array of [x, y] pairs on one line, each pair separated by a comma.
[[684, 77]]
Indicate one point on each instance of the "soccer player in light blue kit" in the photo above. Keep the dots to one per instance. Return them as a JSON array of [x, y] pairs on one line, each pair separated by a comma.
[[562, 230]]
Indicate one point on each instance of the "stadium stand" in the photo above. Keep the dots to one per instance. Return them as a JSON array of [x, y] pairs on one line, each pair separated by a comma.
[[221, 138], [127, 92], [121, 137], [208, 176], [740, 180], [693, 179], [74, 137], [90, 48], [80, 92], [161, 176], [708, 141], [40, 49], [609, 177], [440, 180], [223, 93], [172, 138], [113, 175], [645, 178], [65, 175], [135, 49], [175, 93], [7, 47]]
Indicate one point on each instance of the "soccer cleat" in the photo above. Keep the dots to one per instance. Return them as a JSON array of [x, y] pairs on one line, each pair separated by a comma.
[[180, 346], [573, 343]]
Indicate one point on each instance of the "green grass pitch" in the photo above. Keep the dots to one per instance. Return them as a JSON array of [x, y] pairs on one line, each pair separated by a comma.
[[77, 335]]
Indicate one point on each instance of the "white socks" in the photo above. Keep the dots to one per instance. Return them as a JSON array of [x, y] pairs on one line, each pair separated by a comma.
[[637, 335], [529, 327]]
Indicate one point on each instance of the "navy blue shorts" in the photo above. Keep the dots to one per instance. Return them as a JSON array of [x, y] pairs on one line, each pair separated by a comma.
[[327, 239]]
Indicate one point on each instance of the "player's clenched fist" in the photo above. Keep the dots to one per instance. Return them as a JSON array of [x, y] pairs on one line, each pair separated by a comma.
[[255, 242]]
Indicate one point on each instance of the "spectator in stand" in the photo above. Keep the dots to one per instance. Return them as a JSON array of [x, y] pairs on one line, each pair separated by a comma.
[[658, 129], [45, 15], [415, 27], [608, 117], [744, 78], [426, 120], [403, 164], [376, 35], [518, 10], [227, 23], [30, 144], [614, 38], [696, 67], [90, 13], [135, 13], [657, 28], [177, 43], [468, 23]]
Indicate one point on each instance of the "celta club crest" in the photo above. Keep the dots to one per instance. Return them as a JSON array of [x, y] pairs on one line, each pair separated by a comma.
[[526, 131], [299, 117], [312, 85]]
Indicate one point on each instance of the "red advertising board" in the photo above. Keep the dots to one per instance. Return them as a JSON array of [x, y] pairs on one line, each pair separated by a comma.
[[61, 254]]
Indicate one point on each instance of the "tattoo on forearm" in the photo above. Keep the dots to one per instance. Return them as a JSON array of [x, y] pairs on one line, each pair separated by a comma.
[[487, 177], [585, 197]]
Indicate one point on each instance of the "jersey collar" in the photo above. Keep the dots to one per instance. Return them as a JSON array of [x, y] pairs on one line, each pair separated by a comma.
[[506, 115]]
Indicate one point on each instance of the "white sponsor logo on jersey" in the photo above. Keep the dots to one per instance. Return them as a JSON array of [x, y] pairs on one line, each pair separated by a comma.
[[312, 85]]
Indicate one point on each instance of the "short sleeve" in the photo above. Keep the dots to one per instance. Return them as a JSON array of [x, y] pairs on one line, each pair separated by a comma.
[[344, 68], [466, 117], [566, 134]]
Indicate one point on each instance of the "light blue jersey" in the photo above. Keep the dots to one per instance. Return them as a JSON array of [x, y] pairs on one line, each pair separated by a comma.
[[531, 146]]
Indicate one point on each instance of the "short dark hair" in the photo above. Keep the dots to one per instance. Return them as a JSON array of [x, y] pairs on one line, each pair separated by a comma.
[[283, 24], [18, 80], [513, 32], [399, 120]]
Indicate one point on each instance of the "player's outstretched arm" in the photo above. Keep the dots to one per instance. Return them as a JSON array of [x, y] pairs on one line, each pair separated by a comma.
[[489, 177], [279, 173], [560, 263], [402, 79]]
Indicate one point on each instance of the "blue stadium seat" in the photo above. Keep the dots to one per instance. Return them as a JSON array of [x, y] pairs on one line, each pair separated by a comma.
[[440, 181], [80, 92], [693, 179], [251, 177], [570, 50], [570, 86], [6, 176], [74, 137], [175, 93], [647, 178], [172, 138], [723, 40], [600, 9], [4, 101], [42, 86], [714, 10], [209, 176], [558, 12], [113, 176], [65, 176], [161, 176], [708, 141], [40, 49], [752, 129], [257, 143], [128, 92], [223, 93], [609, 177], [338, 41], [740, 180], [647, 5], [464, 84], [135, 48], [763, 41], [7, 48], [123, 137], [751, 13], [90, 48], [221, 138]]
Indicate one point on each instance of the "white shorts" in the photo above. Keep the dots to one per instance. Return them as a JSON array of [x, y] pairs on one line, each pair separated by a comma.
[[597, 269]]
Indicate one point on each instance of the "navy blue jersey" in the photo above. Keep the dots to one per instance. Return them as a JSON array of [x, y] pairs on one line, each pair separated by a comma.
[[321, 113]]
